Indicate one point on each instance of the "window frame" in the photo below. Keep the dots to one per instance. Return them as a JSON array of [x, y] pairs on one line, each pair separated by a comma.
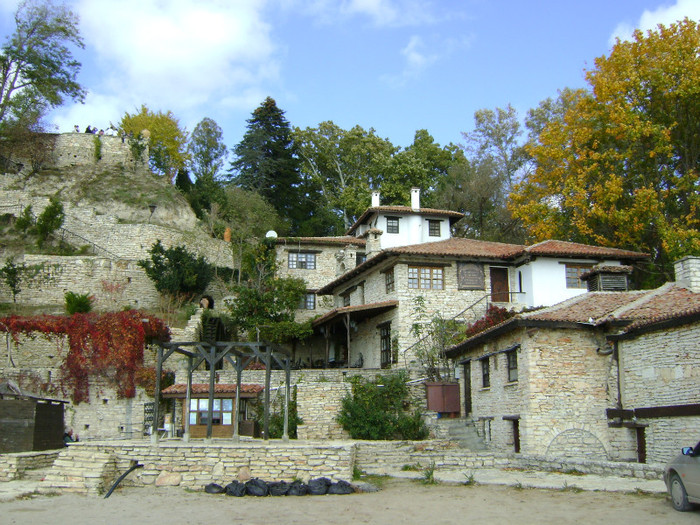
[[393, 225], [390, 281], [485, 372], [425, 278], [573, 272], [307, 304], [301, 260], [432, 225], [512, 365]]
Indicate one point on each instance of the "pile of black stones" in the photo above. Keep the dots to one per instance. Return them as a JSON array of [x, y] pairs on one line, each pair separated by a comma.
[[258, 487]]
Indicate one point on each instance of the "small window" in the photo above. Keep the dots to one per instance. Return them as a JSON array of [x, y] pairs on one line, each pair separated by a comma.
[[512, 361], [574, 273], [389, 277], [346, 300], [392, 225], [434, 228], [485, 373], [425, 278], [360, 258], [302, 260], [308, 302]]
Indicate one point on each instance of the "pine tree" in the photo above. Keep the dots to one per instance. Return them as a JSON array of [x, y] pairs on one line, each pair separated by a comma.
[[266, 162]]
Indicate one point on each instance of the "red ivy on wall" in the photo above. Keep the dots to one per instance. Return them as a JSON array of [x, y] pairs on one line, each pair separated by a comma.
[[108, 345], [494, 315]]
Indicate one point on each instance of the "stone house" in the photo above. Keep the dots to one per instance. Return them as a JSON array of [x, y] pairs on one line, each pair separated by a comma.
[[396, 256], [605, 375]]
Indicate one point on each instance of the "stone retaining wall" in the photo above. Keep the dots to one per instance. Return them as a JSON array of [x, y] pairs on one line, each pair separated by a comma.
[[14, 465]]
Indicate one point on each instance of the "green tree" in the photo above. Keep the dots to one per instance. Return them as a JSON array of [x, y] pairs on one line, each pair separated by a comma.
[[266, 162], [37, 67], [265, 304], [177, 272], [620, 168], [345, 165], [167, 141], [206, 150]]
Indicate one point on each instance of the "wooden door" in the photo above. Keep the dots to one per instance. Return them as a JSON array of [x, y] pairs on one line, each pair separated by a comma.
[[499, 285], [467, 370]]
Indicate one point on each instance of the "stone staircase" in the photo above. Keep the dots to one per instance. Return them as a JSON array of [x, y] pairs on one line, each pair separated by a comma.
[[462, 432]]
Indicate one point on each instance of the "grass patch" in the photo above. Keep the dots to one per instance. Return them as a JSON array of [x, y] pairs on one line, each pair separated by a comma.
[[469, 479], [375, 479], [428, 476], [414, 467]]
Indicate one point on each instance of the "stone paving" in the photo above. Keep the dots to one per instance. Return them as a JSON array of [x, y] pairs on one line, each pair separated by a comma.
[[486, 476]]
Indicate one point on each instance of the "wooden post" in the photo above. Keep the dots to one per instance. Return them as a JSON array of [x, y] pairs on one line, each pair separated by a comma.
[[236, 408], [268, 373], [156, 395], [287, 380], [188, 400], [212, 377]]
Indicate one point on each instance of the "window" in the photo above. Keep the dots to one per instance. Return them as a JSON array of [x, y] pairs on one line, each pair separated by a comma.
[[392, 224], [222, 412], [302, 260], [360, 258], [385, 345], [485, 373], [308, 302], [346, 299], [425, 278], [434, 228], [389, 278], [512, 361], [573, 275]]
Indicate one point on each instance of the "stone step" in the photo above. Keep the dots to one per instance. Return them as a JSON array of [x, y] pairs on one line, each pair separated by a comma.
[[463, 432]]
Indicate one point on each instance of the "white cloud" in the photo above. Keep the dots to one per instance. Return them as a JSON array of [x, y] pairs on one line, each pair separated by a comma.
[[416, 60], [381, 13], [666, 15], [172, 55]]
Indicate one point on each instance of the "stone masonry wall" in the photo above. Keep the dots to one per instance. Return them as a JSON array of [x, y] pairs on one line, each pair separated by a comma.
[[663, 369], [318, 404]]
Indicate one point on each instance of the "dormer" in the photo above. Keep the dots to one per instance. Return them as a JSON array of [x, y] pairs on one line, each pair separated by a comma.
[[405, 225]]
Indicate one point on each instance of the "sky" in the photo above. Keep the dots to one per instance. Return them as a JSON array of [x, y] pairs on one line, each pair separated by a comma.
[[396, 66]]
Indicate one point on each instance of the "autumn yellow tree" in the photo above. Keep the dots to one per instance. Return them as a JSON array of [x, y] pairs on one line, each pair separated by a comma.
[[167, 141], [619, 166]]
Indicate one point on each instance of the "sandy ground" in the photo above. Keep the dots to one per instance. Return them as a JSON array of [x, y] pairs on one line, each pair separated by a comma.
[[399, 501]]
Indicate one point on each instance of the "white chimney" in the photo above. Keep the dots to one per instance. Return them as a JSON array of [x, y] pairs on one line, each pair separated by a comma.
[[415, 199], [688, 273], [375, 199]]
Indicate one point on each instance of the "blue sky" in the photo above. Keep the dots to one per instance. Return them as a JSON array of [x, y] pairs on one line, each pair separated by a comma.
[[393, 65]]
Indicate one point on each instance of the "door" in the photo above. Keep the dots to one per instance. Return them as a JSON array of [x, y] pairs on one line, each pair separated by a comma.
[[499, 285], [467, 388]]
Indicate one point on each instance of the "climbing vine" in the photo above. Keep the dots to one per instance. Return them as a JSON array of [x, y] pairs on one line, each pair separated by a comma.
[[109, 345]]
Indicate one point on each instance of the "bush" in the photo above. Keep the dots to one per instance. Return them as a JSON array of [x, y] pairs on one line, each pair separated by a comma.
[[25, 220], [377, 410], [175, 271], [78, 303], [50, 220]]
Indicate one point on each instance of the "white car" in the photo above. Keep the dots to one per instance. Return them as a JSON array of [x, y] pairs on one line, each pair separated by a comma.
[[682, 478]]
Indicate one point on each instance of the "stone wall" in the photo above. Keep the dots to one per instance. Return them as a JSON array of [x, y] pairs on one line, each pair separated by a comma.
[[318, 404], [196, 465], [15, 465], [663, 369]]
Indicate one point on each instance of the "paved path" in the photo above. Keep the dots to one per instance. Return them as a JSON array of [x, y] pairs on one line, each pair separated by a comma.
[[487, 476]]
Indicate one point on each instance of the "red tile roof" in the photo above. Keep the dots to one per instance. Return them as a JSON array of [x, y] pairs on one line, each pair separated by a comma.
[[370, 308], [573, 249], [345, 239], [462, 247], [632, 311], [203, 388]]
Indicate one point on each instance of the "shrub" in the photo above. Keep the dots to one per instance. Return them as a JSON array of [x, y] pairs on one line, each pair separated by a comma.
[[175, 271], [376, 410], [50, 220], [78, 303], [25, 219]]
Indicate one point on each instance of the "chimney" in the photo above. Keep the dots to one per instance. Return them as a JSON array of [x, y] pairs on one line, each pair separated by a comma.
[[375, 199], [688, 273], [415, 199]]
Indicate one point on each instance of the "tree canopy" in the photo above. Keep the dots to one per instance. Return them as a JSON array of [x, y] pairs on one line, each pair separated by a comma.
[[37, 67], [620, 166], [167, 142]]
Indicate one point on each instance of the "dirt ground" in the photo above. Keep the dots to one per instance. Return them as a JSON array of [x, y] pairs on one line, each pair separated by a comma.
[[399, 501]]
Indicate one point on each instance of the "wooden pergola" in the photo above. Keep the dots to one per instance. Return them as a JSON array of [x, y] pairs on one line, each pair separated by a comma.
[[239, 355]]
